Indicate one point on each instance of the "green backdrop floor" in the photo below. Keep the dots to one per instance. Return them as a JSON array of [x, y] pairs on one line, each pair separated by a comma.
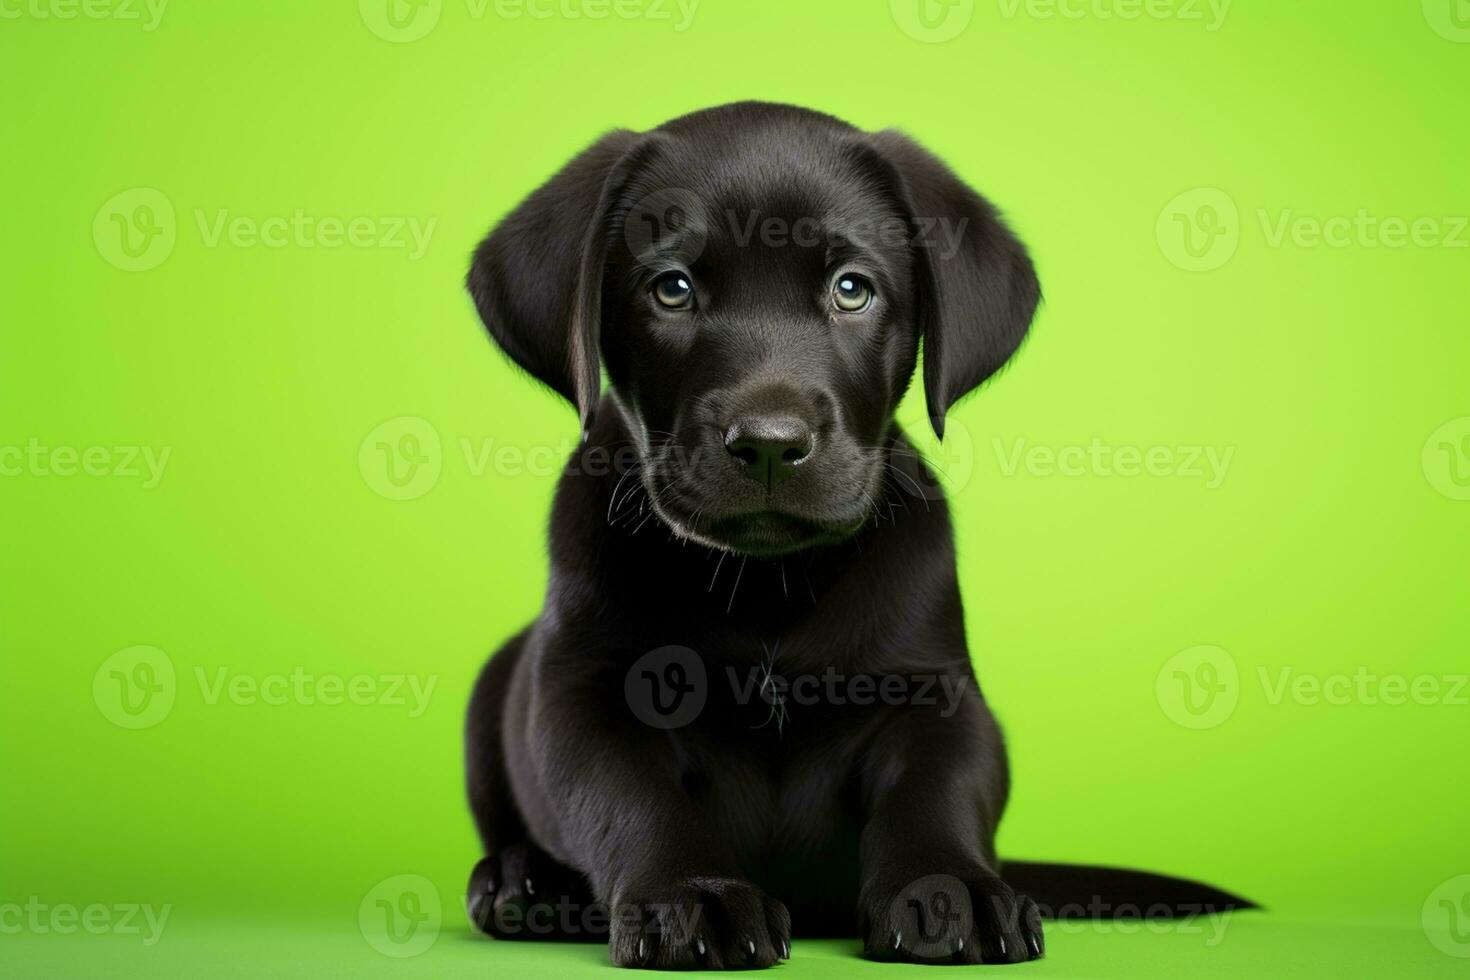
[[1252, 945]]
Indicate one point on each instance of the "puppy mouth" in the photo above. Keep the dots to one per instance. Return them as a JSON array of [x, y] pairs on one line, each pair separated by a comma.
[[771, 533], [765, 533], [701, 502]]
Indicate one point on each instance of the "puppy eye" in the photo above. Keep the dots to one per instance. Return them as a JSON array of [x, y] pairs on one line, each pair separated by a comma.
[[673, 291], [852, 294]]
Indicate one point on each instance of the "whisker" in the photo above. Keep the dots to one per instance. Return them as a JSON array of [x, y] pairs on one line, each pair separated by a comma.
[[731, 604], [917, 491], [718, 564], [613, 498]]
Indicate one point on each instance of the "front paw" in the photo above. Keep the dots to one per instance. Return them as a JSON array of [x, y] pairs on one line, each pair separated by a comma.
[[939, 918], [699, 924], [521, 892]]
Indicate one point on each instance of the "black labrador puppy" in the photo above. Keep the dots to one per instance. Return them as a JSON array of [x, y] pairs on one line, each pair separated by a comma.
[[748, 702]]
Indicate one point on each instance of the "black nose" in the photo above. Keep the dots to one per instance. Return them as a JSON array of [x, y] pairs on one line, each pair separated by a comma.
[[769, 448]]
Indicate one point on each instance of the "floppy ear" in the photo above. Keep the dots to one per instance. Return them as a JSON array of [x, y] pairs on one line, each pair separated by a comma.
[[977, 288], [536, 279]]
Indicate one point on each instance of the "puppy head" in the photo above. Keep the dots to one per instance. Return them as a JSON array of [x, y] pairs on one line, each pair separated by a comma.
[[757, 281]]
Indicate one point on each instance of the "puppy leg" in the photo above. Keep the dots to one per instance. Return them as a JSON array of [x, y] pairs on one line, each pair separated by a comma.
[[934, 789], [517, 891], [677, 898]]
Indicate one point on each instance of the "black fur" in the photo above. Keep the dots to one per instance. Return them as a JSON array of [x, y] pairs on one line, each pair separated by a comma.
[[744, 494]]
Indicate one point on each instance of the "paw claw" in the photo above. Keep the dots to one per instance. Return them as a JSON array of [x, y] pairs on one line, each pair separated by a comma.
[[701, 923], [948, 918], [507, 880]]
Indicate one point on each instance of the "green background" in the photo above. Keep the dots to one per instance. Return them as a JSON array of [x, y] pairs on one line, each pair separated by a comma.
[[1335, 541]]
